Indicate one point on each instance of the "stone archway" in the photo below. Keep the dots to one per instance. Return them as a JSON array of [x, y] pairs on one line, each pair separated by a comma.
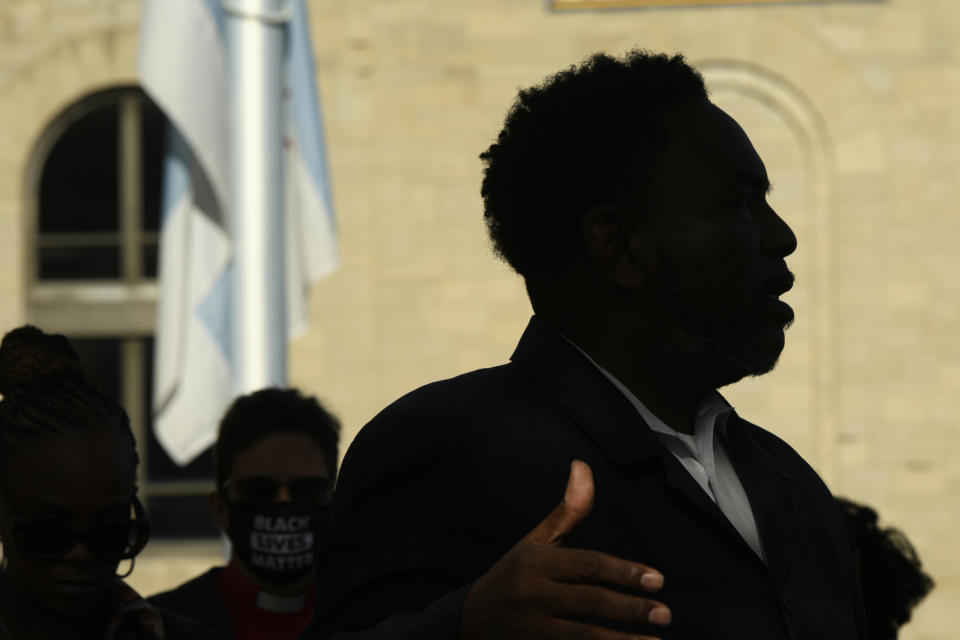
[[30, 99]]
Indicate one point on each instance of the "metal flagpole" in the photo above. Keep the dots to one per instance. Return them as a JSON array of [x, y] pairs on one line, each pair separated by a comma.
[[255, 32]]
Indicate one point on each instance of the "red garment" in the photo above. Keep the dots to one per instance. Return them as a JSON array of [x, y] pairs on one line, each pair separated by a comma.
[[245, 602]]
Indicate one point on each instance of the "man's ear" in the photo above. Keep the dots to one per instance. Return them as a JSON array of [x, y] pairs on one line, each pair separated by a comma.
[[217, 506], [617, 245]]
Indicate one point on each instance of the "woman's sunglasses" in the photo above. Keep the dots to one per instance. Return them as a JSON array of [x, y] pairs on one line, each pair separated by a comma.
[[50, 538], [264, 489]]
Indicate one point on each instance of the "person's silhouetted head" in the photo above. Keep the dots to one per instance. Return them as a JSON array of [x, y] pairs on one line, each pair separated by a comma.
[[892, 580], [268, 412], [636, 212], [67, 481], [275, 461]]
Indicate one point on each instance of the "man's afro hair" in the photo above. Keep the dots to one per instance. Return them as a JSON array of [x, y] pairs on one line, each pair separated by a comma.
[[587, 135]]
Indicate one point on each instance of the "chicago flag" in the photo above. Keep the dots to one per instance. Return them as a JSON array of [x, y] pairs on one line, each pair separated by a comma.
[[183, 62]]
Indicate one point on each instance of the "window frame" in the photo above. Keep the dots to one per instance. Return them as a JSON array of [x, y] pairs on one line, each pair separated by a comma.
[[124, 308]]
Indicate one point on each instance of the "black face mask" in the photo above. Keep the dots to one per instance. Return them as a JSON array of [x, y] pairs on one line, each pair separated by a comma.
[[277, 540]]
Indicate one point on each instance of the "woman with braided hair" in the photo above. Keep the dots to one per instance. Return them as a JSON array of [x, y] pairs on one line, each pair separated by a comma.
[[69, 511]]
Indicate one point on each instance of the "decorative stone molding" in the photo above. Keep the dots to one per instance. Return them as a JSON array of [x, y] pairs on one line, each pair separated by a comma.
[[776, 93], [32, 96]]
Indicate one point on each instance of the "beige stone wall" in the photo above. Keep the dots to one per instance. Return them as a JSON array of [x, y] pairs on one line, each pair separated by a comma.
[[853, 106]]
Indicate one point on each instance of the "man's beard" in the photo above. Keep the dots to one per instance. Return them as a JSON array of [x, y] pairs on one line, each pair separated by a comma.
[[711, 352], [712, 361]]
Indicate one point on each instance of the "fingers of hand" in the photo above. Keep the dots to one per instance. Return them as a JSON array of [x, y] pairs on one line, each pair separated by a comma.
[[576, 505], [599, 603], [582, 566], [569, 630], [579, 493]]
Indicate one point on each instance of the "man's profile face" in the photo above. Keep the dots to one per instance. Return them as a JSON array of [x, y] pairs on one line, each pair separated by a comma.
[[722, 263]]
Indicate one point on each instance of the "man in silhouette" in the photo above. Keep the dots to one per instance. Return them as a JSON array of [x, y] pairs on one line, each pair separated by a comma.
[[636, 212]]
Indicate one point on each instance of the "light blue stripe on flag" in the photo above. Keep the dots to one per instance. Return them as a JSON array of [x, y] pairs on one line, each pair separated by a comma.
[[176, 173], [215, 312], [306, 104], [215, 7]]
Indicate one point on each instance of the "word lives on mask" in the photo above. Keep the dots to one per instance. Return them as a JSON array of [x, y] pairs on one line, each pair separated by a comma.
[[276, 541]]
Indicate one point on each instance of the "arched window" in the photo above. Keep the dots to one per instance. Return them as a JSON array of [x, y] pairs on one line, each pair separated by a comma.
[[95, 187]]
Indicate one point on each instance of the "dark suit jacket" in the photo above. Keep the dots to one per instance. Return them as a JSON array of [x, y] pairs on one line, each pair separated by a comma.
[[438, 486]]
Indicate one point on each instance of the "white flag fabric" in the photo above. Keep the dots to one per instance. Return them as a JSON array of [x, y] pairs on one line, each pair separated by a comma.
[[183, 69]]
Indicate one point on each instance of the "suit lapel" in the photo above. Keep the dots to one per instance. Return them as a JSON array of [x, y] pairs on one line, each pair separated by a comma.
[[612, 423], [586, 395], [768, 488], [604, 414]]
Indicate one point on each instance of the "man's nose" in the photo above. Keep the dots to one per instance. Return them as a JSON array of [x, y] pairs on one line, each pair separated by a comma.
[[778, 238], [283, 494]]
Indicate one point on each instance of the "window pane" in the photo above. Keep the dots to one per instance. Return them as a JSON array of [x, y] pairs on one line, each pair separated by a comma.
[[78, 193], [79, 263], [160, 467], [180, 517], [154, 147], [150, 257], [101, 360], [79, 188]]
